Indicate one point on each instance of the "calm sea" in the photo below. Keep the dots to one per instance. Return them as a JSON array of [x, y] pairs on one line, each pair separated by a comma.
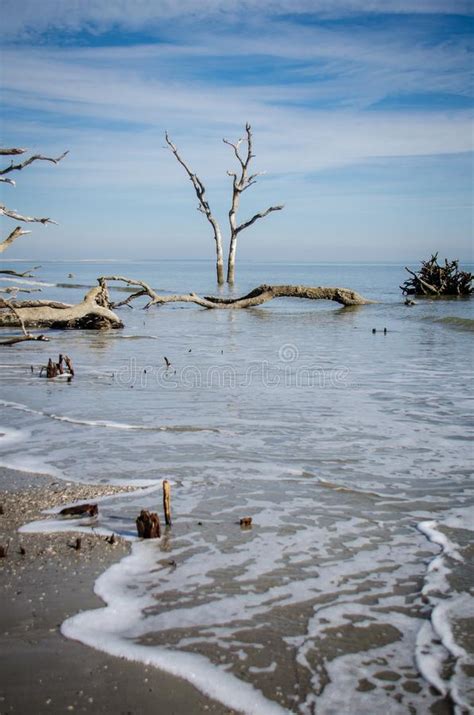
[[353, 590]]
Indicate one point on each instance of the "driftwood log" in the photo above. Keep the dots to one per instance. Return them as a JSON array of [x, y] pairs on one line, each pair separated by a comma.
[[433, 279], [259, 295], [148, 525], [92, 313]]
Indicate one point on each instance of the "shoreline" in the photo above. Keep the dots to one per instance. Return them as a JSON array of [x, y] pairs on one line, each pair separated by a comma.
[[42, 671]]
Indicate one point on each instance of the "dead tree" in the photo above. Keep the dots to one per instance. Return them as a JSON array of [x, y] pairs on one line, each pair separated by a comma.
[[203, 208], [241, 181], [433, 279]]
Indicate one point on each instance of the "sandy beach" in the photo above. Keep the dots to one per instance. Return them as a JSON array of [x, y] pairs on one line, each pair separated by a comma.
[[43, 672]]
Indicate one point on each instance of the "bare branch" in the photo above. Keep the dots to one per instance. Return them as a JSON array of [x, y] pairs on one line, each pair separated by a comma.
[[6, 304], [16, 233], [11, 152], [23, 338], [236, 147], [257, 216], [26, 335], [16, 289], [28, 219], [145, 289], [24, 274], [30, 160], [203, 208]]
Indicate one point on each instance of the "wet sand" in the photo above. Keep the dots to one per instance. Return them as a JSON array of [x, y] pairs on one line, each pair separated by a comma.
[[41, 671]]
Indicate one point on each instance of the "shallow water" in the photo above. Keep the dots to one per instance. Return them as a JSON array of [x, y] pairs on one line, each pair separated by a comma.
[[350, 451]]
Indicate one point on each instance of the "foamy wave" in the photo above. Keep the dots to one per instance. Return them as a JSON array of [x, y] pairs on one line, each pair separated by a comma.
[[438, 640], [9, 436], [110, 424]]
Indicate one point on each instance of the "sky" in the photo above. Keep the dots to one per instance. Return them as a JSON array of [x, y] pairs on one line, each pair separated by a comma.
[[361, 112]]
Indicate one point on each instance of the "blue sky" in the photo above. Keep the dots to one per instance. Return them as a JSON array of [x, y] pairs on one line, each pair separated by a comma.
[[361, 111]]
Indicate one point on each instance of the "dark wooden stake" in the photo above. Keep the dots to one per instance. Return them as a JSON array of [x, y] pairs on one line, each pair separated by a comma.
[[167, 501]]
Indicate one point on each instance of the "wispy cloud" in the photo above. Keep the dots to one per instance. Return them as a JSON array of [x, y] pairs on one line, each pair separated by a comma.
[[96, 15]]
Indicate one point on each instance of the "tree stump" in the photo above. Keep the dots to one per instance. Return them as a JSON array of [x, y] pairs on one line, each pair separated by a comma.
[[148, 525]]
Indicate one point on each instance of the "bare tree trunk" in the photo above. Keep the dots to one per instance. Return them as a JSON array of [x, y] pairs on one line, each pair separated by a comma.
[[203, 208], [231, 260], [239, 185]]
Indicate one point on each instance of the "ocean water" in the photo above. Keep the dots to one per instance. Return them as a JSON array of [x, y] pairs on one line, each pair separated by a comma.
[[352, 592]]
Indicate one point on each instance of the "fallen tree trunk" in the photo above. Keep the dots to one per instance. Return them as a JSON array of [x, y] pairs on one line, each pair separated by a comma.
[[259, 295], [264, 293], [92, 313]]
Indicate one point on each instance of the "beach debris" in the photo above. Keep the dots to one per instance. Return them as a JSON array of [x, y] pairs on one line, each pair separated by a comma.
[[435, 279], [1, 509], [111, 539], [4, 550], [80, 510], [168, 363], [167, 501], [385, 331], [374, 330], [410, 302], [22, 550], [77, 544], [148, 525], [246, 522], [62, 367]]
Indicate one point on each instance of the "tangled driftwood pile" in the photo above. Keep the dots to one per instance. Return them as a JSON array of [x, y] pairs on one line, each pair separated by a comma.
[[435, 279]]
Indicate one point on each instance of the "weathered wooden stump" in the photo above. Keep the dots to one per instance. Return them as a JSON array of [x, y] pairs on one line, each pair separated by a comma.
[[53, 369], [148, 525]]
